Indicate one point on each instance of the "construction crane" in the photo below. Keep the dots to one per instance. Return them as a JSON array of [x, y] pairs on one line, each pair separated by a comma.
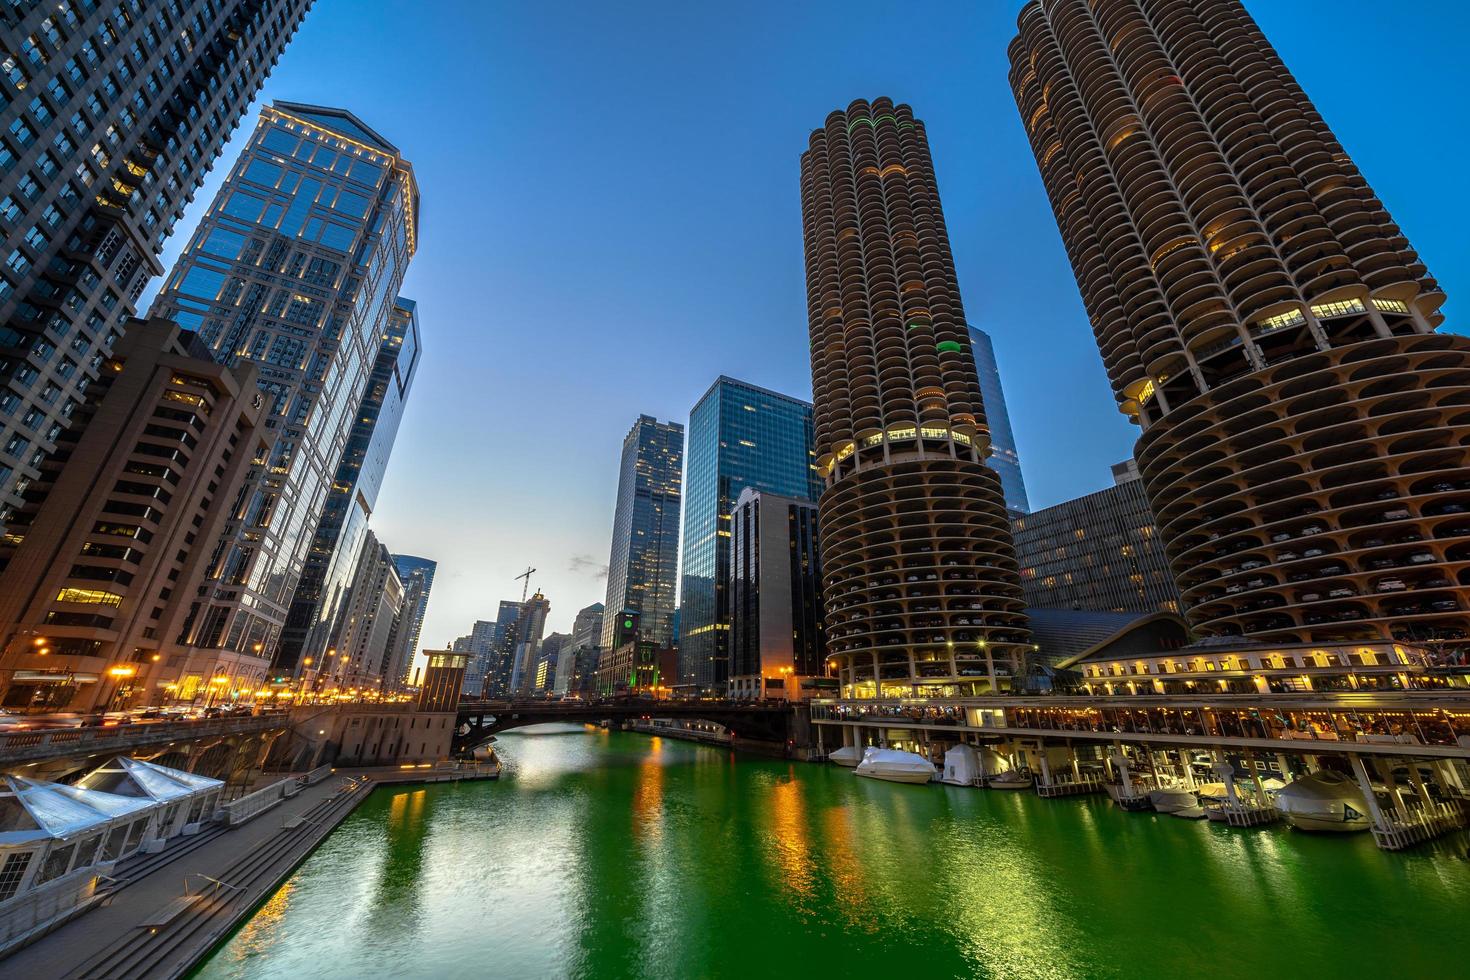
[[527, 585]]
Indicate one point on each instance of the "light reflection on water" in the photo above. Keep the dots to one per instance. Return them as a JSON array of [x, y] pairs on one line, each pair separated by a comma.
[[616, 855]]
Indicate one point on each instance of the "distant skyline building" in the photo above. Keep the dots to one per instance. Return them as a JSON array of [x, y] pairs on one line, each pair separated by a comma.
[[1262, 319], [502, 659], [296, 267], [547, 661], [112, 117], [1003, 458], [1099, 552], [921, 590], [417, 576], [317, 603], [480, 644], [643, 567], [530, 625], [577, 666], [778, 644], [363, 647], [740, 435]]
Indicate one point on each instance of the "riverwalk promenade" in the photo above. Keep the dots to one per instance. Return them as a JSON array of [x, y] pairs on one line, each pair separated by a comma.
[[160, 913]]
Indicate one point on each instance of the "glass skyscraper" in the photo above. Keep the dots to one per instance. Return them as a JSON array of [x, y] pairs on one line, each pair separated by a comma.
[[417, 575], [111, 115], [317, 606], [1003, 457], [739, 436], [643, 568], [295, 267]]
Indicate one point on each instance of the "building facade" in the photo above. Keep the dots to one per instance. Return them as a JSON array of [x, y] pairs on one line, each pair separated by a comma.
[[1261, 318], [1100, 552], [778, 644], [112, 114], [480, 644], [920, 582], [530, 625], [643, 568], [363, 648], [417, 576], [103, 560], [548, 660], [295, 267], [740, 436], [318, 601], [577, 667], [1003, 458]]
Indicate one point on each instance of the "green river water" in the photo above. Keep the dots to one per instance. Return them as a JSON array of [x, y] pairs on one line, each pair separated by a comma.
[[618, 855]]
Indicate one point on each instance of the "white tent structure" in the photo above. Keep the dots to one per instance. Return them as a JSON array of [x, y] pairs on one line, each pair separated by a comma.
[[961, 766], [185, 798]]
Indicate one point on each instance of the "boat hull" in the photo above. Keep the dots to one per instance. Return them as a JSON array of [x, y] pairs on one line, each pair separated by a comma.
[[1000, 782], [900, 776]]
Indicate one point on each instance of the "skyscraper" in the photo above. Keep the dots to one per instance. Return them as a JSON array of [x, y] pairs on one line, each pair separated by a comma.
[[529, 626], [642, 571], [1261, 318], [577, 666], [1003, 457], [417, 576], [112, 115], [739, 436], [481, 646], [374, 602], [317, 603], [502, 658], [920, 582], [296, 267]]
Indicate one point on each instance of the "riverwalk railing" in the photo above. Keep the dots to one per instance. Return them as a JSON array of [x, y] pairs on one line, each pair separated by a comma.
[[254, 804], [1422, 823], [24, 746], [41, 909]]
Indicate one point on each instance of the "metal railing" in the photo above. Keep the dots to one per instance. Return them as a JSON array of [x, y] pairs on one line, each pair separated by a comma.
[[52, 742]]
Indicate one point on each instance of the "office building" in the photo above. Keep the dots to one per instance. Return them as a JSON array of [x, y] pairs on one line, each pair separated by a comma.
[[643, 567], [480, 644], [337, 544], [547, 661], [417, 576], [1003, 457], [740, 436], [529, 626], [104, 559], [1262, 319], [111, 115], [576, 668], [1100, 552], [296, 267], [920, 583], [778, 645], [362, 647]]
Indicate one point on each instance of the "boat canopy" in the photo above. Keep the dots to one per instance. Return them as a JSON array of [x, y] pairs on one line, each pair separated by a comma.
[[31, 810], [961, 764], [136, 778]]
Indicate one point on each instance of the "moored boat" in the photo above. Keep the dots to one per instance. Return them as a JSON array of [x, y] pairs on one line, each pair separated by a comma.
[[1010, 779], [895, 766], [1176, 802], [1324, 801], [848, 755]]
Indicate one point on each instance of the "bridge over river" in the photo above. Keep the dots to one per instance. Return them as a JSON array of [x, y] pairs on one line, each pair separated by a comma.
[[765, 724]]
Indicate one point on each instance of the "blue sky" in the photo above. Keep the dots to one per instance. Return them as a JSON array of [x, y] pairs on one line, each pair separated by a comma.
[[611, 218]]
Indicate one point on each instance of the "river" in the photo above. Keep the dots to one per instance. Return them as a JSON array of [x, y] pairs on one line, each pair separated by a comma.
[[605, 855]]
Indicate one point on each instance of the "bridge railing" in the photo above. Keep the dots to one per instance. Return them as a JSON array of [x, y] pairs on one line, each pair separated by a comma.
[[52, 742]]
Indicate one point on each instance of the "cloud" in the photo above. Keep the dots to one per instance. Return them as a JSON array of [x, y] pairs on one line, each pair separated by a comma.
[[585, 564]]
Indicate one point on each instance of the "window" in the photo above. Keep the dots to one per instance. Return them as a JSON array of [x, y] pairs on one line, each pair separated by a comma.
[[91, 597]]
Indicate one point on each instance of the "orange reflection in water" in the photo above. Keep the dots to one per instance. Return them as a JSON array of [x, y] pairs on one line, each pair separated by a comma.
[[648, 796], [259, 931], [788, 820], [845, 869]]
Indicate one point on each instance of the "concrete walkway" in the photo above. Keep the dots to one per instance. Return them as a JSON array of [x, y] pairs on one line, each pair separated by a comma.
[[148, 928]]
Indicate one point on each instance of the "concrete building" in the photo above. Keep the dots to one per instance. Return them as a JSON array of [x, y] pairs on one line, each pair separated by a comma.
[[740, 435], [778, 644], [296, 267], [103, 565], [1003, 458], [1100, 552], [548, 660], [577, 666], [643, 569], [530, 625], [921, 589], [417, 576], [112, 119], [1262, 319], [340, 530], [362, 647]]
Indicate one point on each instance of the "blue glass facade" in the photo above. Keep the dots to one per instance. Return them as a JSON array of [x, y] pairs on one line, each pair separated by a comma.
[[739, 436], [417, 575], [313, 624], [1003, 458], [643, 569]]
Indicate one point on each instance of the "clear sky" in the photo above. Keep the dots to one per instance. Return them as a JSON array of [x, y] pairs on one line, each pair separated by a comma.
[[611, 218]]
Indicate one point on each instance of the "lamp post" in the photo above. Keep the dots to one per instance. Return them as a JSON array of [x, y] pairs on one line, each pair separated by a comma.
[[119, 675]]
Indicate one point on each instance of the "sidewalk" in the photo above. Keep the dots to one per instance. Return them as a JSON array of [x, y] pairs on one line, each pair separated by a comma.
[[147, 928]]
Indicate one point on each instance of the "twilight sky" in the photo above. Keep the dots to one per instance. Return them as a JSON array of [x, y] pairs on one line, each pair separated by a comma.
[[611, 218]]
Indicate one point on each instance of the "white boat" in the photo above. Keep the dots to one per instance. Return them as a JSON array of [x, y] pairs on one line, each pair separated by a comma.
[[848, 755], [962, 766], [895, 766], [1324, 801], [1176, 802], [1010, 779]]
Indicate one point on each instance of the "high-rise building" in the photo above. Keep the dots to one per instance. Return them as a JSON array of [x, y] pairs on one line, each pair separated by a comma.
[[529, 626], [1100, 552], [576, 667], [502, 658], [104, 558], [1003, 457], [1262, 319], [642, 572], [417, 576], [335, 548], [481, 646], [362, 644], [296, 267], [112, 113], [739, 436], [778, 645], [547, 659], [920, 582]]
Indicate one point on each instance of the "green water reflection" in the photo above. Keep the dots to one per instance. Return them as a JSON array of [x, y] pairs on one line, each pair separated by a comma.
[[615, 855]]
